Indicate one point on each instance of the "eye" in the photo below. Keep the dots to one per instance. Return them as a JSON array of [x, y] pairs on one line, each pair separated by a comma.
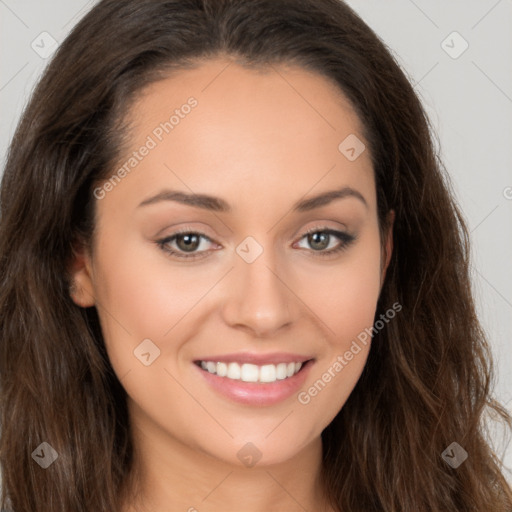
[[186, 242], [321, 238]]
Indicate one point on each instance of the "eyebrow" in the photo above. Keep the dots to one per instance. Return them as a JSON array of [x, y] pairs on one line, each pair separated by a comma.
[[216, 204]]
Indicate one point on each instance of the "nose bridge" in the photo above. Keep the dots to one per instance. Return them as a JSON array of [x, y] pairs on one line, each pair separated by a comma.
[[259, 300]]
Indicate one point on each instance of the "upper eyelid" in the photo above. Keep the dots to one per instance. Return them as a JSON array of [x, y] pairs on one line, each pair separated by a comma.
[[314, 229]]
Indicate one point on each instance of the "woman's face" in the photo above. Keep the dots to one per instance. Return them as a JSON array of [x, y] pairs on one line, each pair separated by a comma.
[[256, 295]]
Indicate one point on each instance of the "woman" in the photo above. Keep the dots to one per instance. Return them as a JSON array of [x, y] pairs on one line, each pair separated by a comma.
[[233, 276]]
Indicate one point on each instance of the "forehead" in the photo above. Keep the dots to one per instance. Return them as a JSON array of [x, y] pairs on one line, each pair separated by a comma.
[[253, 130], [234, 92]]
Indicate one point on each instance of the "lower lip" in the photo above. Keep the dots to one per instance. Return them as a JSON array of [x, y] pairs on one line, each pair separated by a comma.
[[257, 393]]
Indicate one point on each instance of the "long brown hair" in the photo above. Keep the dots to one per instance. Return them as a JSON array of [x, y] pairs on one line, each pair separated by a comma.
[[427, 381]]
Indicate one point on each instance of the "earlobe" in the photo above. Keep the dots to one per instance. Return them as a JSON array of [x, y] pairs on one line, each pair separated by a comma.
[[387, 246], [81, 288]]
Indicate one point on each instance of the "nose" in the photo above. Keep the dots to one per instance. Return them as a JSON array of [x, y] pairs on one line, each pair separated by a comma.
[[258, 298]]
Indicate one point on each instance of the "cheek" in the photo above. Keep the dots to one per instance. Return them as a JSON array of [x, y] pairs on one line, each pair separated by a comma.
[[346, 303], [142, 296], [144, 290], [346, 294]]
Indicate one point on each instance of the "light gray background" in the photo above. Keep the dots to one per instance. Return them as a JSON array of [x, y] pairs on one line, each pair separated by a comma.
[[468, 98]]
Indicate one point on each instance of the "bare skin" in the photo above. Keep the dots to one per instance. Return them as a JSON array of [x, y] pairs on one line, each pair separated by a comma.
[[261, 141]]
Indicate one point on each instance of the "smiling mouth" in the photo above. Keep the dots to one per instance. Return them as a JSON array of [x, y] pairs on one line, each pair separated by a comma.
[[247, 372]]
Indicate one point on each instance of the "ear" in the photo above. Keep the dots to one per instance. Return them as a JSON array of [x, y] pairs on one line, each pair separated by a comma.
[[387, 245], [81, 289]]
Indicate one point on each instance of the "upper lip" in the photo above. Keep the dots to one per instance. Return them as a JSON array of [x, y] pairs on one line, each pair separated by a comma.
[[257, 359]]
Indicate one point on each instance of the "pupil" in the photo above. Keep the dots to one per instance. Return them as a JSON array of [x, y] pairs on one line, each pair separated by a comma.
[[314, 239], [191, 242]]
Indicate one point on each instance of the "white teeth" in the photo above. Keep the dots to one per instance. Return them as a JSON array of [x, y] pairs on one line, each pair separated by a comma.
[[222, 369], [268, 373], [281, 371], [251, 372], [234, 371]]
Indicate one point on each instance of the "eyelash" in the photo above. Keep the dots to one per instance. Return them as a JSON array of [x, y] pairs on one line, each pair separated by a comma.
[[345, 238]]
